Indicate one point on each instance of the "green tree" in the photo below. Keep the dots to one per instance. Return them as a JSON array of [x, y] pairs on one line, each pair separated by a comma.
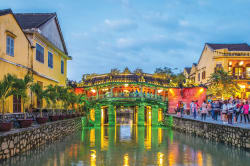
[[222, 85], [64, 96], [178, 80], [20, 88], [6, 89], [40, 93], [164, 70], [138, 71], [51, 96]]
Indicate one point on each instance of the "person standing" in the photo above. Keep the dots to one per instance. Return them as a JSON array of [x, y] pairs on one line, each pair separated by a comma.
[[191, 107], [184, 108], [212, 109], [230, 106], [245, 111], [181, 108], [204, 110], [239, 108], [224, 111], [195, 107], [178, 108], [209, 108], [216, 109]]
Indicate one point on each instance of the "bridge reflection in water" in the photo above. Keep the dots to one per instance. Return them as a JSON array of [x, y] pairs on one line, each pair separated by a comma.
[[130, 139], [132, 145]]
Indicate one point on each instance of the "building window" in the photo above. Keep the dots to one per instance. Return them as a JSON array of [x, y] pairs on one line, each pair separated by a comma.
[[230, 70], [10, 46], [39, 53], [50, 59], [199, 77], [238, 71], [248, 72], [203, 75], [16, 103], [62, 66]]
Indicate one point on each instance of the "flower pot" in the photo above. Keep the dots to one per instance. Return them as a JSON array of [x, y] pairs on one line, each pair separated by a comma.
[[73, 115], [41, 120], [68, 116], [62, 117], [54, 118], [5, 126], [24, 123]]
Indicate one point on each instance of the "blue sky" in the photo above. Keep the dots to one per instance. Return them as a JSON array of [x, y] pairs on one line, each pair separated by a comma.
[[105, 34]]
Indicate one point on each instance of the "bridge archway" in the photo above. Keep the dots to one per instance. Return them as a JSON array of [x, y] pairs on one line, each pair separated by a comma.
[[131, 113]]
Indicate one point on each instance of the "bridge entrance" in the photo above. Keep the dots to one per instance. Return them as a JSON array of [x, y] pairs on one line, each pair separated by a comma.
[[104, 115], [126, 115]]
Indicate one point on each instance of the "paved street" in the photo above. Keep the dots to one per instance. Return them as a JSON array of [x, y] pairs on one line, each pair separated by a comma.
[[219, 121]]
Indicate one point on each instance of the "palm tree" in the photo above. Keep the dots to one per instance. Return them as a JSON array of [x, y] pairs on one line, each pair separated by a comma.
[[20, 87], [40, 93], [72, 99], [63, 96], [6, 89], [79, 101], [51, 97]]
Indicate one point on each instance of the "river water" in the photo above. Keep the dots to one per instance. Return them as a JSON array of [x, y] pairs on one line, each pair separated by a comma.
[[128, 145]]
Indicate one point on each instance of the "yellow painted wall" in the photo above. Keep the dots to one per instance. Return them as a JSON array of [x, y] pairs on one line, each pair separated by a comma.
[[25, 56], [22, 52], [21, 44], [206, 64], [42, 68]]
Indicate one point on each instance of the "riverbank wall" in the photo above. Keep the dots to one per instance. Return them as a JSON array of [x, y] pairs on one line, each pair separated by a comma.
[[20, 140], [230, 135]]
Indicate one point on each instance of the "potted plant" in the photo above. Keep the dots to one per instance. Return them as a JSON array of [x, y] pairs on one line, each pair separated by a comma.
[[20, 87], [40, 94], [5, 92]]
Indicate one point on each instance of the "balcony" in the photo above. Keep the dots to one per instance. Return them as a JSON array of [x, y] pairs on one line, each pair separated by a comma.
[[242, 76], [128, 96]]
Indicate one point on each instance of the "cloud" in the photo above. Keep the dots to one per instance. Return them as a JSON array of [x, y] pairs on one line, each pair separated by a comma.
[[121, 25], [155, 42]]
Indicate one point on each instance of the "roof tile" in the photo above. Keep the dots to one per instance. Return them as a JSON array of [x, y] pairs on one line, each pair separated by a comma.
[[230, 47], [32, 20]]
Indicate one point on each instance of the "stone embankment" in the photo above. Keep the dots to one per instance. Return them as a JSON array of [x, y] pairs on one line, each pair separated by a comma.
[[18, 141], [230, 135]]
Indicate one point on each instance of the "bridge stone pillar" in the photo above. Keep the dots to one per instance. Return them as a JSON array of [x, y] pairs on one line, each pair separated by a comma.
[[140, 114], [111, 114], [155, 109], [97, 115]]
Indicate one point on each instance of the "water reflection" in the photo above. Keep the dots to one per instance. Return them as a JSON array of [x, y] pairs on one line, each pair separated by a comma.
[[129, 146]]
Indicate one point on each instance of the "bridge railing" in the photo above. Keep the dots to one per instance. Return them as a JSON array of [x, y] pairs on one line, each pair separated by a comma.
[[128, 95]]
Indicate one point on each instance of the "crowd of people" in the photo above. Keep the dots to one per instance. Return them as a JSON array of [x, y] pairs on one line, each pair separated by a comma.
[[228, 111]]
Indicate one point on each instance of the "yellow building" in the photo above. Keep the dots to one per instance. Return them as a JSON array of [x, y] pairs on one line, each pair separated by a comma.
[[233, 58], [32, 42]]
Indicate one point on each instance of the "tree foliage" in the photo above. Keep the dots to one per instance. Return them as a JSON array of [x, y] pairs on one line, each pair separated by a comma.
[[221, 84], [20, 88], [6, 89], [164, 70]]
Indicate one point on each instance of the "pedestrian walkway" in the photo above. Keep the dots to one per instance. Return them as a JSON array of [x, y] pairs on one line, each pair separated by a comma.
[[219, 121]]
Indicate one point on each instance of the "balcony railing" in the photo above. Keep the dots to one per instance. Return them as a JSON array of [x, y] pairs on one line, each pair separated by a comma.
[[242, 76], [128, 95]]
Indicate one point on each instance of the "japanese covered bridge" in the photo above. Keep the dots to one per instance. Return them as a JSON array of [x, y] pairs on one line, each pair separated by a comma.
[[134, 98]]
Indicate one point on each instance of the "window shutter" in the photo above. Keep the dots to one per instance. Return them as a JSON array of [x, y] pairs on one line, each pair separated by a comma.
[[12, 47]]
